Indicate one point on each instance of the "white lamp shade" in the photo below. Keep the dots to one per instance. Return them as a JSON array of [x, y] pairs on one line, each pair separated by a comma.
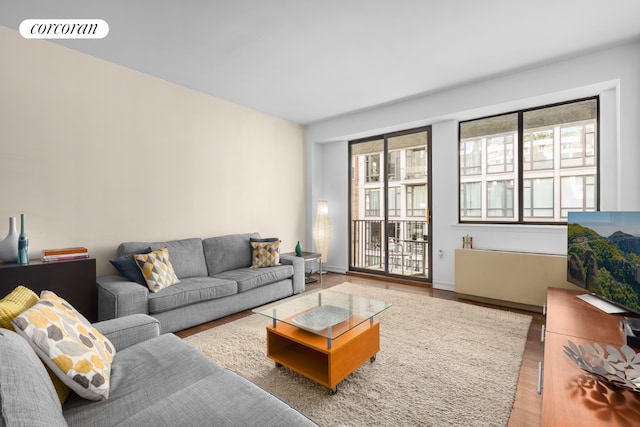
[[322, 229]]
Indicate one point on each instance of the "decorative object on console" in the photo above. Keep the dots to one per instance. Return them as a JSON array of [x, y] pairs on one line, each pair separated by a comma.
[[23, 244], [467, 242], [620, 367], [64, 254], [322, 229], [298, 249], [9, 246], [631, 328]]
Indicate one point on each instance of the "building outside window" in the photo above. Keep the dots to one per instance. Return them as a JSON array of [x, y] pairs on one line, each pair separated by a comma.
[[372, 202], [395, 207], [530, 166], [372, 165], [416, 163], [394, 166], [416, 200]]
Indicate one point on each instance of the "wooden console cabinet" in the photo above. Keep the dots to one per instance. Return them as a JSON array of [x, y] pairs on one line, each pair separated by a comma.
[[75, 281], [569, 397]]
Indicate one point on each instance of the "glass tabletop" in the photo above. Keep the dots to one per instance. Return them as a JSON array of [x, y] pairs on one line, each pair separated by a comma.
[[325, 313]]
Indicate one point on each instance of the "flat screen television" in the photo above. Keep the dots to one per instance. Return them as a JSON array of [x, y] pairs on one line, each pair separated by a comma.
[[603, 255]]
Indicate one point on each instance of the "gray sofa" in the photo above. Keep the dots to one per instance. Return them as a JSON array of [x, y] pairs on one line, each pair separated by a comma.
[[156, 380], [216, 280]]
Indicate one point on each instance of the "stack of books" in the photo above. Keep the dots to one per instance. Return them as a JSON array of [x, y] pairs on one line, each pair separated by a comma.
[[65, 254]]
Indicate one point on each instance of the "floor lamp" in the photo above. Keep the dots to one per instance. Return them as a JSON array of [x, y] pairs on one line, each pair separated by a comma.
[[322, 229]]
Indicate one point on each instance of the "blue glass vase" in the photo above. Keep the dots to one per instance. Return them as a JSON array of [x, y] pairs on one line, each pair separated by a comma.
[[23, 244]]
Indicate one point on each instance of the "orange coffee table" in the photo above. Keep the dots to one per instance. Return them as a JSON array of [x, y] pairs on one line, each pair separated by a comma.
[[324, 335]]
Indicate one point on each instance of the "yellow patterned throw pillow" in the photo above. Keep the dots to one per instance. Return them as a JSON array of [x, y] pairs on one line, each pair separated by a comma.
[[67, 343], [265, 254], [15, 303], [156, 269], [12, 305]]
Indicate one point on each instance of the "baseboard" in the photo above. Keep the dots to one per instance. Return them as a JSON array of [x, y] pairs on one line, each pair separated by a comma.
[[389, 279], [501, 303], [443, 286]]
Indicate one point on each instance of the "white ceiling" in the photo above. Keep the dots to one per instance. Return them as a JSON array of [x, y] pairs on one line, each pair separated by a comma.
[[306, 60]]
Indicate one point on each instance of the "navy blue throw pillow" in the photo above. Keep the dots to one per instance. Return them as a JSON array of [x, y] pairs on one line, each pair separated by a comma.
[[127, 266]]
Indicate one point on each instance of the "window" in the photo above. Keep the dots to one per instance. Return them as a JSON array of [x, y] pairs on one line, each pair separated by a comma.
[[471, 199], [393, 166], [389, 198], [416, 166], [372, 202], [394, 201], [500, 199], [372, 165], [500, 153], [416, 200], [538, 197], [530, 166]]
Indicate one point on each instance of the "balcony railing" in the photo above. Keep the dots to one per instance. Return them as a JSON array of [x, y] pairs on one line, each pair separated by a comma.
[[406, 242]]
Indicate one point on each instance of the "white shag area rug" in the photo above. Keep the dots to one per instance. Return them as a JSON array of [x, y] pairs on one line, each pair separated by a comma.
[[441, 363]]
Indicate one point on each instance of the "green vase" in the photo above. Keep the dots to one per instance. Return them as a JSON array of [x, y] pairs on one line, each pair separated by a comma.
[[298, 249]]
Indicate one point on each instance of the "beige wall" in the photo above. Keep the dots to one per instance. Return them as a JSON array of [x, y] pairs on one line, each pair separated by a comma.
[[94, 154]]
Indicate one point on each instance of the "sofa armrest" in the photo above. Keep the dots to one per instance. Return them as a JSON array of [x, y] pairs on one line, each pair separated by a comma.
[[298, 271], [126, 331], [119, 297]]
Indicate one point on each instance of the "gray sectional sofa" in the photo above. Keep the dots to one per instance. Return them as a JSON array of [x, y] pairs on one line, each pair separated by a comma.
[[156, 380], [216, 280]]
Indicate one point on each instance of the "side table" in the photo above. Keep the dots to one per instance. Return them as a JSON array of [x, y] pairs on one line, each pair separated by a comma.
[[310, 256]]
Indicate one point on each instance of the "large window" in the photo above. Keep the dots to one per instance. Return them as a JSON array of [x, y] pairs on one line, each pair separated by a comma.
[[389, 198], [530, 166]]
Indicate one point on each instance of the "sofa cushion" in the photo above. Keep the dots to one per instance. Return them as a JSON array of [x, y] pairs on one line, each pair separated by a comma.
[[187, 255], [190, 291], [250, 278], [166, 382], [68, 344], [26, 393], [229, 252], [157, 269]]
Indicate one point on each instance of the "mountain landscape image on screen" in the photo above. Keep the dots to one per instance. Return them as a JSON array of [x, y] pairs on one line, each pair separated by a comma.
[[608, 266]]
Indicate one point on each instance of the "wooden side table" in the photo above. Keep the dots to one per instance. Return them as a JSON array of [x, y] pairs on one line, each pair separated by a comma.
[[310, 256], [75, 281]]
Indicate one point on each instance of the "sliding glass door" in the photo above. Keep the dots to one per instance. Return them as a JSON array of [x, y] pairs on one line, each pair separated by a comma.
[[390, 204]]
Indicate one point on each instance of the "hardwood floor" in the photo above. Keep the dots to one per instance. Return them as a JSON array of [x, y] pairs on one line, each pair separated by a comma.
[[527, 405]]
